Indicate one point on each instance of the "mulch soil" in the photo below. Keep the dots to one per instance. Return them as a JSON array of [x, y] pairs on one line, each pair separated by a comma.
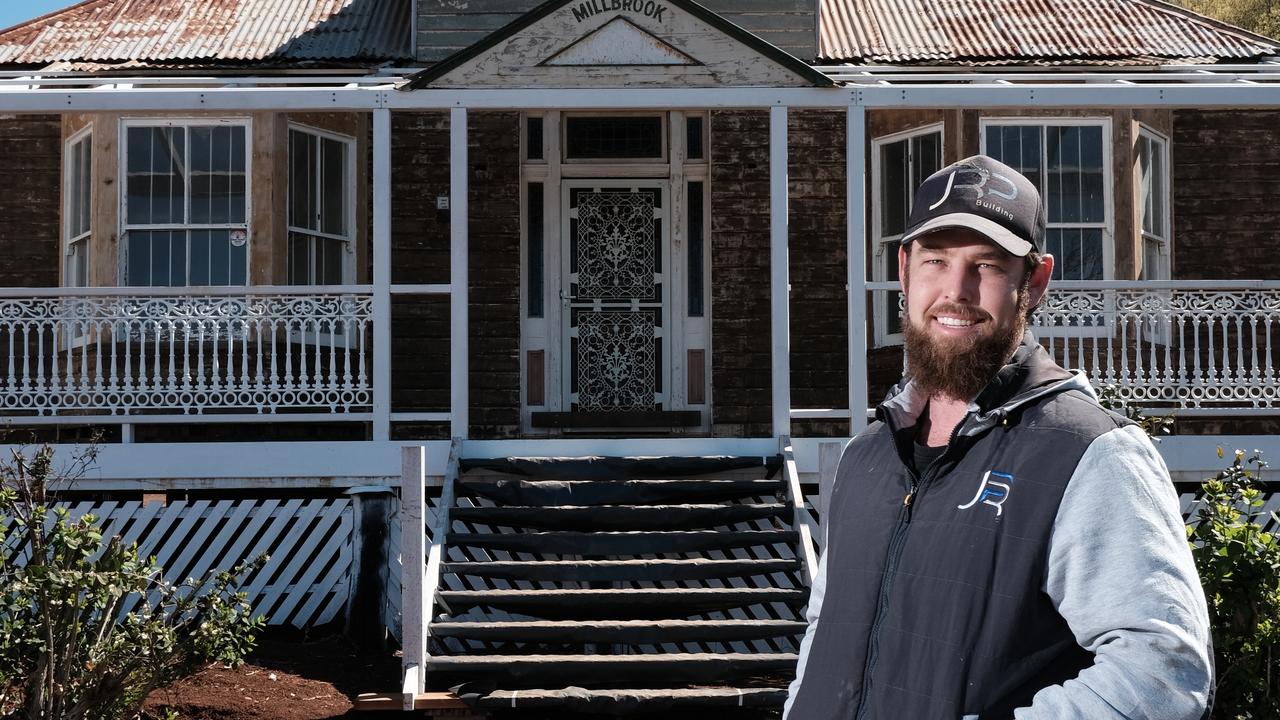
[[288, 678], [283, 679]]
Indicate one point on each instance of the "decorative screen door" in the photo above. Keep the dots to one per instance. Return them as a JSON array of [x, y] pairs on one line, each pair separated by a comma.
[[615, 291]]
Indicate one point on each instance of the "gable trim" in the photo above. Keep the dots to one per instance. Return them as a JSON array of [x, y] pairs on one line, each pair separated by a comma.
[[665, 46], [772, 52]]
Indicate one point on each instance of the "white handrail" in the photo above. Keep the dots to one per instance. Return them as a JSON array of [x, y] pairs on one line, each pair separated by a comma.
[[808, 556]]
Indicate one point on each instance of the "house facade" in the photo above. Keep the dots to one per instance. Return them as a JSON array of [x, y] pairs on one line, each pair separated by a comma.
[[263, 257]]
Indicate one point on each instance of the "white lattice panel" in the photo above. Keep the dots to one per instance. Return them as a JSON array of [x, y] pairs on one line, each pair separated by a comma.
[[306, 581]]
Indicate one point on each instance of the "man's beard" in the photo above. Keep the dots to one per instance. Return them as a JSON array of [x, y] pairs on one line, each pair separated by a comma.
[[959, 368]]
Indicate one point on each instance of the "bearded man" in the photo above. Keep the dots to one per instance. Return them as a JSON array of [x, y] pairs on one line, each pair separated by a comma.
[[997, 544]]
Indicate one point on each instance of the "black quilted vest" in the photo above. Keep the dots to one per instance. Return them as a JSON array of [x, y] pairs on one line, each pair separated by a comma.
[[935, 610]]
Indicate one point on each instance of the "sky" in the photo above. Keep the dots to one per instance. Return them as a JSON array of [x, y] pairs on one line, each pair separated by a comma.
[[13, 12]]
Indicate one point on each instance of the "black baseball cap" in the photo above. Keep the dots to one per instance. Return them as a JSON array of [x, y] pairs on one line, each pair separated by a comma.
[[981, 194]]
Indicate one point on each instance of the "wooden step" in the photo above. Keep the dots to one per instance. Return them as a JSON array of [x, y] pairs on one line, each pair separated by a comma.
[[630, 603], [679, 669], [522, 491], [620, 570], [619, 517], [629, 632], [578, 699], [621, 543]]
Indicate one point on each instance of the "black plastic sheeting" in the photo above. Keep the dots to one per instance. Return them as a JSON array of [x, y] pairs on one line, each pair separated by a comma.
[[620, 468]]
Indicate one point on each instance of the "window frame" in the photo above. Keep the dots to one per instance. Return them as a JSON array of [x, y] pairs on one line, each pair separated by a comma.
[[664, 140], [84, 135], [123, 178], [1154, 137], [880, 253], [348, 200], [1108, 175], [1043, 122]]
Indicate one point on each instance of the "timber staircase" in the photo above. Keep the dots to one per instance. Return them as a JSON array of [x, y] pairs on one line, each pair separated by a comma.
[[615, 585]]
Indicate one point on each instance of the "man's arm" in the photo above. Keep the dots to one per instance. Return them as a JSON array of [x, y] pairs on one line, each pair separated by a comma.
[[1121, 574], [816, 592]]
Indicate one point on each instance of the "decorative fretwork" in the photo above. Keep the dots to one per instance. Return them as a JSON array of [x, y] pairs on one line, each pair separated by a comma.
[[1165, 346], [616, 258], [617, 361], [126, 354]]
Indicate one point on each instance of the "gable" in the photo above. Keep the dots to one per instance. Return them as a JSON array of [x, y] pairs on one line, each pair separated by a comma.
[[617, 43]]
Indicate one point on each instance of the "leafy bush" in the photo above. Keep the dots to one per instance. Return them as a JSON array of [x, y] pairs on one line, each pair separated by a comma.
[[66, 650], [1239, 566]]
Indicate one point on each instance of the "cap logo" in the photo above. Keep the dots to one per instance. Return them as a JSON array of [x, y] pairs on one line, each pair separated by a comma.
[[980, 188]]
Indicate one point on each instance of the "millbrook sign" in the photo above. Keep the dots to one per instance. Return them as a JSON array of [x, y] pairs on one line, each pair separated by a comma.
[[648, 8]]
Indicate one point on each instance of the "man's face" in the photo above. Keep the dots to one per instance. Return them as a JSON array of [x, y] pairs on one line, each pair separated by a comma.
[[966, 304]]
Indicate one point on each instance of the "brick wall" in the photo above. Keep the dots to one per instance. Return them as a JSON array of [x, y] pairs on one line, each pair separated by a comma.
[[819, 302], [740, 362], [420, 254], [1226, 178], [31, 146]]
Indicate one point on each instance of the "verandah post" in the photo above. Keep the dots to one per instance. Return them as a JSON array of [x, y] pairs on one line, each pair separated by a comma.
[[414, 606], [855, 218], [779, 276], [459, 400], [381, 275]]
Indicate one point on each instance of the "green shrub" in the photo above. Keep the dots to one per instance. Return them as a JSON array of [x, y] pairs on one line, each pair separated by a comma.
[[65, 652], [1239, 566]]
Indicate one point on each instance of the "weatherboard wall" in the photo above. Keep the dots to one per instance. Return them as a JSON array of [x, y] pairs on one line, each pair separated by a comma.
[[446, 27]]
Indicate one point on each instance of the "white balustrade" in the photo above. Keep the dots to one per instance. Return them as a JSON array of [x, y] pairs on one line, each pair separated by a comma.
[[157, 351], [1212, 346]]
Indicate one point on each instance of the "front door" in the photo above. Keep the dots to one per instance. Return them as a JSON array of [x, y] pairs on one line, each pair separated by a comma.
[[615, 296]]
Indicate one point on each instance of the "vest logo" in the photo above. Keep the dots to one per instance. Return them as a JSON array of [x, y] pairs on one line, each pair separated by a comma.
[[991, 491]]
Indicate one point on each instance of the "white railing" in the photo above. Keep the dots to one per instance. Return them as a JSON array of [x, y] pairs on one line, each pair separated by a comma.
[[158, 351], [1203, 344], [1198, 347]]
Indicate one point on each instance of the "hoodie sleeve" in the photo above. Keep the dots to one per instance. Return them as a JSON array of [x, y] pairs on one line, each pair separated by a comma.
[[816, 592], [1120, 572]]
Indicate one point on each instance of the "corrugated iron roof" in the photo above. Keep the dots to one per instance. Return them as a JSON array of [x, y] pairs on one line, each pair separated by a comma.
[[227, 31], [1026, 31]]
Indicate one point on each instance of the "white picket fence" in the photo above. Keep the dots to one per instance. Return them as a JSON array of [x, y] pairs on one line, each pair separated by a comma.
[[305, 583]]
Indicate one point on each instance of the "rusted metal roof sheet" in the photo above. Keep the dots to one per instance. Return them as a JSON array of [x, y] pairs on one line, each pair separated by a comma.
[[228, 31], [1027, 31]]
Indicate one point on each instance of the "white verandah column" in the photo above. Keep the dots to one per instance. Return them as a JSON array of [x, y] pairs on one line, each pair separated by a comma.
[[779, 275], [459, 337], [856, 250], [381, 274]]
